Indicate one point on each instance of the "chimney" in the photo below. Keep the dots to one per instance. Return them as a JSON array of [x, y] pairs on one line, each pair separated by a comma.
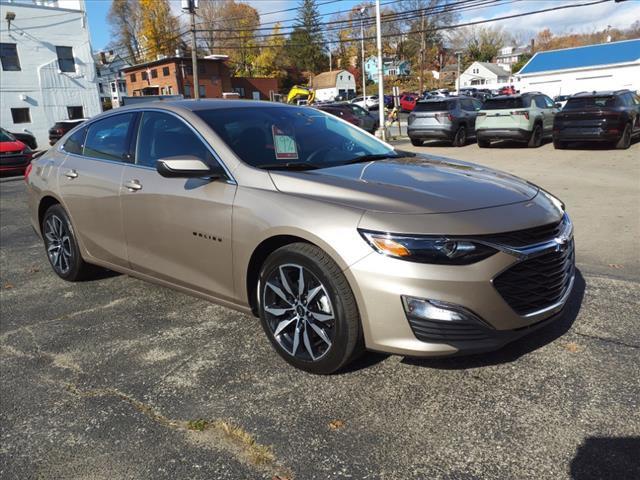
[[103, 58], [533, 44]]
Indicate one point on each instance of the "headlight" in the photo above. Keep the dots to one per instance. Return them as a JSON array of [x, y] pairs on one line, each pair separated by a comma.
[[423, 249]]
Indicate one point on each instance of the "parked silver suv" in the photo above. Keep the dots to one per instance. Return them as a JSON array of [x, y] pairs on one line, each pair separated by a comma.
[[452, 119]]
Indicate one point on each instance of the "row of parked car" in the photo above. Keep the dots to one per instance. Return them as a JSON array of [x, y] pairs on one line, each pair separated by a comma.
[[606, 116]]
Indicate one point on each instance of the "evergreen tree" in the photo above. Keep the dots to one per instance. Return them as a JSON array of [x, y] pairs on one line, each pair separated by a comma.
[[306, 41]]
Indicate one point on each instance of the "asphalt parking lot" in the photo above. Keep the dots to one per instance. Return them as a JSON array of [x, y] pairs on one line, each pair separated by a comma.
[[116, 378]]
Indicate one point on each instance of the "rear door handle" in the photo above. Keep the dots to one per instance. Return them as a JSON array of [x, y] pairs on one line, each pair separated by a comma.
[[133, 185], [71, 174]]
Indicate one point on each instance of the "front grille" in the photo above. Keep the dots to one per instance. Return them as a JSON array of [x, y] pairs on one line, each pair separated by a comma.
[[538, 282], [522, 238], [435, 331]]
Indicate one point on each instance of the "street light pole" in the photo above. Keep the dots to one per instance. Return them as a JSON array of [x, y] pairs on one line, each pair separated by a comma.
[[364, 88], [192, 5], [458, 53], [382, 131]]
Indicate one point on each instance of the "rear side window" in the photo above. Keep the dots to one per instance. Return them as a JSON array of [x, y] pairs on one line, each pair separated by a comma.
[[540, 102], [162, 135], [507, 102], [108, 139], [75, 142], [577, 103], [432, 107]]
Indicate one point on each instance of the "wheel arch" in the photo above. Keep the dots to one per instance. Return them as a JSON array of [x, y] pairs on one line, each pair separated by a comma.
[[44, 204]]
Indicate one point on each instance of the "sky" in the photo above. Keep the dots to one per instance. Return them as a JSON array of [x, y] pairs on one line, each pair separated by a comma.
[[578, 20]]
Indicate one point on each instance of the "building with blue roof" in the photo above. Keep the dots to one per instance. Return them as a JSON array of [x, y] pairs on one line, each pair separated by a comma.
[[605, 66]]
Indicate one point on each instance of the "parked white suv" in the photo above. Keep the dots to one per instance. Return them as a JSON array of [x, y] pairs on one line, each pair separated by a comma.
[[369, 102]]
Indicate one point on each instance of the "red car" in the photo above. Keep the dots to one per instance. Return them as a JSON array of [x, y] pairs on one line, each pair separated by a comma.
[[408, 101], [15, 156], [509, 90]]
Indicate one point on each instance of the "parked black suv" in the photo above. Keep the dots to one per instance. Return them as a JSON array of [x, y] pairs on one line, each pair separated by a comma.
[[608, 116], [60, 128], [452, 119]]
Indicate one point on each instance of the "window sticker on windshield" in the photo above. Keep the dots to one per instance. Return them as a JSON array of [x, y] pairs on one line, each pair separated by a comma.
[[285, 145]]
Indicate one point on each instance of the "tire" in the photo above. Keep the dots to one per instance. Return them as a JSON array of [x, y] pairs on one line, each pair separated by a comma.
[[535, 140], [625, 139], [559, 145], [482, 143], [460, 139], [324, 317], [417, 143], [62, 246]]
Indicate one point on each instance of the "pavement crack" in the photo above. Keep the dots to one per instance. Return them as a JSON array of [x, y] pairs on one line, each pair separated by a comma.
[[607, 340], [213, 434]]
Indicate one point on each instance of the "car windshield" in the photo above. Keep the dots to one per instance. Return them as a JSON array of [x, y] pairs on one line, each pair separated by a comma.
[[268, 137], [506, 102], [431, 107], [591, 102], [6, 136]]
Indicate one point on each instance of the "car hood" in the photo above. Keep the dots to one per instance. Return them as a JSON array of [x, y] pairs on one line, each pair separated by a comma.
[[420, 184]]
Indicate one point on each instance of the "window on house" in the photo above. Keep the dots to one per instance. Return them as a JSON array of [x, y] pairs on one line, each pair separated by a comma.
[[187, 91], [201, 91], [9, 57], [75, 112], [122, 87], [143, 75], [154, 73], [20, 115], [188, 70], [170, 90], [113, 87], [132, 77], [100, 88], [66, 62], [165, 71]]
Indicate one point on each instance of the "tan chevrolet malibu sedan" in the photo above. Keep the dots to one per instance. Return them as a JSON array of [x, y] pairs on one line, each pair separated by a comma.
[[337, 241]]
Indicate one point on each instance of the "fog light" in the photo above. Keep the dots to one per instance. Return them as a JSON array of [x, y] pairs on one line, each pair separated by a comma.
[[436, 310]]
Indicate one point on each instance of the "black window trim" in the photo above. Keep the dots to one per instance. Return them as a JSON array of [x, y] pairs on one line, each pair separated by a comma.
[[69, 134], [230, 179]]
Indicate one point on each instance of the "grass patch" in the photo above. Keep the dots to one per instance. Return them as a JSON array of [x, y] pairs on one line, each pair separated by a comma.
[[198, 425]]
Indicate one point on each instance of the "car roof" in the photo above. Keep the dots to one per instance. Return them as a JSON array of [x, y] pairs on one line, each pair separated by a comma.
[[600, 93], [204, 104]]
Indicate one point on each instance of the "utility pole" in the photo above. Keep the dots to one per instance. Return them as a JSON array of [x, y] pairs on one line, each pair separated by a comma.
[[458, 53], [383, 129], [423, 46], [364, 88], [191, 6]]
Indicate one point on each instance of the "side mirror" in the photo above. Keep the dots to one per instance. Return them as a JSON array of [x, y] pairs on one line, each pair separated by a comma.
[[558, 105], [185, 166]]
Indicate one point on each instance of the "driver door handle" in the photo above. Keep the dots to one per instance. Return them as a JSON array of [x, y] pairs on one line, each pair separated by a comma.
[[133, 185], [71, 174]]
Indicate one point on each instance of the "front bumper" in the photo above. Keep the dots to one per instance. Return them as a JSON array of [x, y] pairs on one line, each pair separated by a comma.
[[518, 134], [380, 282]]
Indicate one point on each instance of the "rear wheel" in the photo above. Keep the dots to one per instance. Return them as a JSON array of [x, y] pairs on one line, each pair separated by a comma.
[[308, 310], [62, 246], [535, 140], [416, 143], [460, 138], [482, 143], [625, 139]]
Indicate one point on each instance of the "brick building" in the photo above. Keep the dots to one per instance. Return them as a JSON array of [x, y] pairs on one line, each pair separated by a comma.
[[174, 76]]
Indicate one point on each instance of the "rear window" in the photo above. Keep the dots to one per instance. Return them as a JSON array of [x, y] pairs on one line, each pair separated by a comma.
[[508, 102], [432, 106], [591, 102]]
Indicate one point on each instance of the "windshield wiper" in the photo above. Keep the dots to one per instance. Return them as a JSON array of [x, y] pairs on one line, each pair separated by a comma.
[[288, 166], [378, 156]]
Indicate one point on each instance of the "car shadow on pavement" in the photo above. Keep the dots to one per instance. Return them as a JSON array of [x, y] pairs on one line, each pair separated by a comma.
[[520, 347], [600, 458]]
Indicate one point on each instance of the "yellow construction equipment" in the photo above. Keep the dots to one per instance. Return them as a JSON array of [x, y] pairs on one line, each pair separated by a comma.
[[298, 92]]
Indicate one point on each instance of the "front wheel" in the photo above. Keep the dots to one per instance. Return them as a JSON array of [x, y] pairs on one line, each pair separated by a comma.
[[460, 138], [62, 246], [308, 310]]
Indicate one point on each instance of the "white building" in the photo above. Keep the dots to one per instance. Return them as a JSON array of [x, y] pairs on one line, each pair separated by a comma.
[[510, 55], [484, 74], [112, 85], [329, 85], [605, 66], [47, 70]]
